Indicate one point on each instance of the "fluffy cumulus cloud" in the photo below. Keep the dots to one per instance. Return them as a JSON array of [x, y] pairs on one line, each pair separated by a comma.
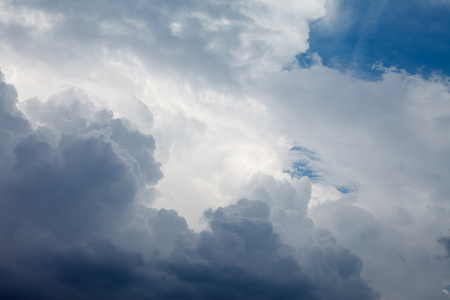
[[336, 144], [75, 225]]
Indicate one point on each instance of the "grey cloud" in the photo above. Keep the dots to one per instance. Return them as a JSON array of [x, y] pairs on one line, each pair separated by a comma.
[[445, 242], [76, 174], [13, 124], [366, 132], [11, 119], [146, 27], [281, 193], [288, 204], [73, 227], [71, 181], [382, 248], [71, 110], [243, 254]]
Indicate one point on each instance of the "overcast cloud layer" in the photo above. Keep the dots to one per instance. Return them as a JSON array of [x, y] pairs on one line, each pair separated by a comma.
[[138, 125]]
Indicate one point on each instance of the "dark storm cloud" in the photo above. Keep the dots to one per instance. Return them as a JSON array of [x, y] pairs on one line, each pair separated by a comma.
[[243, 253], [240, 258], [80, 179], [13, 124], [71, 110], [72, 226]]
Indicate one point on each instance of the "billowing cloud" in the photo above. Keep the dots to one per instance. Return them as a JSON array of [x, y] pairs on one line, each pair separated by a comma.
[[74, 225], [217, 95], [382, 248]]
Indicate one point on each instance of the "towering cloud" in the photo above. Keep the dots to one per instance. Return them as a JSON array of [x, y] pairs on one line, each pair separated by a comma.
[[74, 224], [331, 117]]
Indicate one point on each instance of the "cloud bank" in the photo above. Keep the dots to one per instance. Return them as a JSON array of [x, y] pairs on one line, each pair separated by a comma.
[[223, 105], [74, 224]]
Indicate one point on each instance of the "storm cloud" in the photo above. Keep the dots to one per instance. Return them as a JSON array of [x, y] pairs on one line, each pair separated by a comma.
[[74, 224], [329, 119]]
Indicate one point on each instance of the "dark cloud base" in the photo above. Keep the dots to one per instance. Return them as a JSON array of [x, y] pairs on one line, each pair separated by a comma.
[[73, 226]]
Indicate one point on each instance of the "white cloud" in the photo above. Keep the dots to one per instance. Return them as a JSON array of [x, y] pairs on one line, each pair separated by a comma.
[[34, 19], [74, 221], [205, 80]]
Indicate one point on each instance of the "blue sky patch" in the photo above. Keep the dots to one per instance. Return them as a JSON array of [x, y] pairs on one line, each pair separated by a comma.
[[302, 164], [413, 37], [344, 189], [301, 169]]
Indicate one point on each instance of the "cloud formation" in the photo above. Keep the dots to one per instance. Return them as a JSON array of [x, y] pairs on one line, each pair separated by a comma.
[[228, 101], [73, 225]]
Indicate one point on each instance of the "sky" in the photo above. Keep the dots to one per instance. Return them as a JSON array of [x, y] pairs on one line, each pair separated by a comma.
[[240, 149]]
